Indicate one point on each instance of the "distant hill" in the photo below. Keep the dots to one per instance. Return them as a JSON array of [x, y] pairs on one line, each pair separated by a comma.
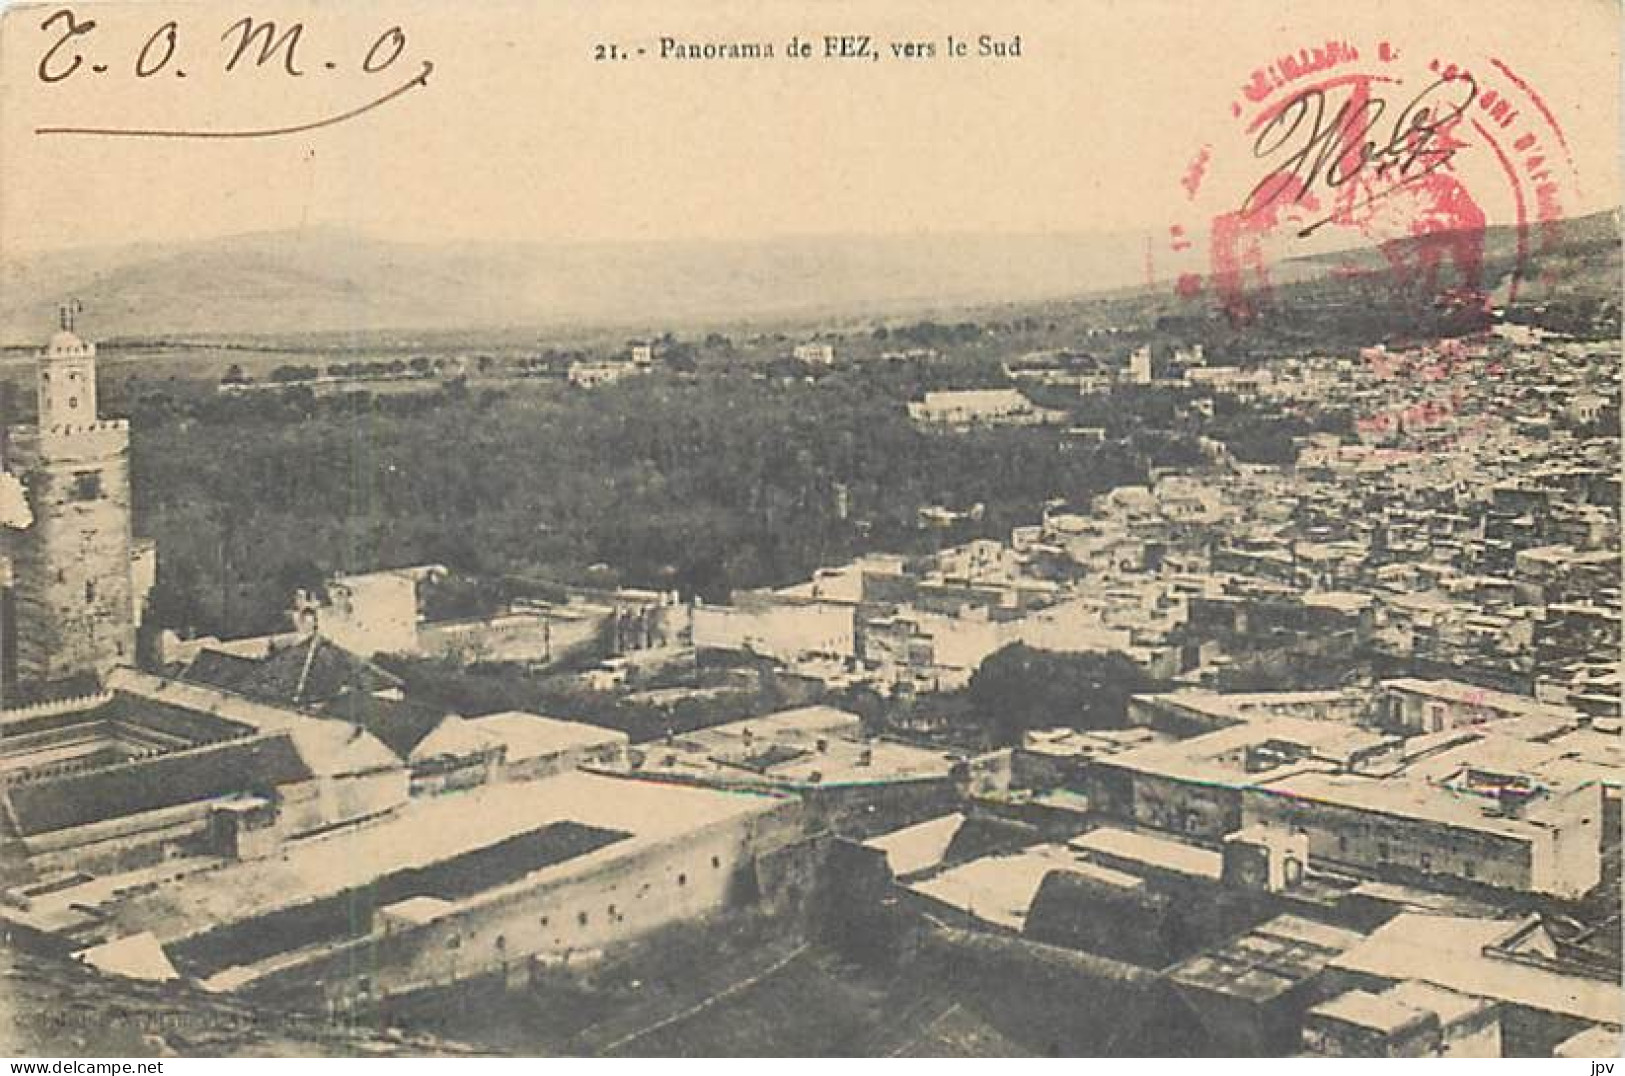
[[1581, 237], [326, 279], [332, 279]]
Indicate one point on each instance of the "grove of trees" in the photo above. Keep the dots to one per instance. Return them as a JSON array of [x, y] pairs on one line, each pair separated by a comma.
[[704, 485]]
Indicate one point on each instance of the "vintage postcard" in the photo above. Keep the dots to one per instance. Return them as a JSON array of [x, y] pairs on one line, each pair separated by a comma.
[[887, 529]]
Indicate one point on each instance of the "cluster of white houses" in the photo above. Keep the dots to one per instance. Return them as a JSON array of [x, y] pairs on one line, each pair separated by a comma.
[[1423, 869]]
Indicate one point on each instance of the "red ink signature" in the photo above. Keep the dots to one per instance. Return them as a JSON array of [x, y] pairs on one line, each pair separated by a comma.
[[1336, 151]]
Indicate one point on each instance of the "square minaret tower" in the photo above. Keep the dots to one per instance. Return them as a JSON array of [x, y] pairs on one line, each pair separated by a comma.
[[73, 612]]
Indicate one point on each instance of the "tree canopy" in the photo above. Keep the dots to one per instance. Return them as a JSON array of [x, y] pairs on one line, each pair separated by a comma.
[[1020, 688]]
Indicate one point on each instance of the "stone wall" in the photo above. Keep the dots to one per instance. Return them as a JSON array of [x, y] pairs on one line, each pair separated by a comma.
[[564, 920], [74, 610]]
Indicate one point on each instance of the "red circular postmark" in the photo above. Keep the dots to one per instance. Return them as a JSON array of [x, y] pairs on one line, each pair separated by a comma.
[[1341, 146]]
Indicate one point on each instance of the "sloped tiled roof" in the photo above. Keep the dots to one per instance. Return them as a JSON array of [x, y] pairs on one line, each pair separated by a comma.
[[400, 723], [340, 749], [455, 738], [311, 672], [217, 668]]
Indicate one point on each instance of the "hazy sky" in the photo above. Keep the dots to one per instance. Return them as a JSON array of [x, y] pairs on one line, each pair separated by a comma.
[[521, 135]]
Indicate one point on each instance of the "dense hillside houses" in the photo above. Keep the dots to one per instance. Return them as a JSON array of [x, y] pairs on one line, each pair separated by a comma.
[[1361, 799]]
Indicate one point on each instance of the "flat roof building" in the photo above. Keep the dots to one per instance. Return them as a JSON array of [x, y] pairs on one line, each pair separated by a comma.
[[1489, 811], [1251, 992], [1543, 1002], [1193, 787], [445, 888]]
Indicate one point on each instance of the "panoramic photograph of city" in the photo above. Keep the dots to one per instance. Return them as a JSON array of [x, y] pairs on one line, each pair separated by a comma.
[[881, 530]]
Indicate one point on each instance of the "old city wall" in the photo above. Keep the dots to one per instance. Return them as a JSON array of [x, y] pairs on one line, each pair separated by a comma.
[[605, 899]]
